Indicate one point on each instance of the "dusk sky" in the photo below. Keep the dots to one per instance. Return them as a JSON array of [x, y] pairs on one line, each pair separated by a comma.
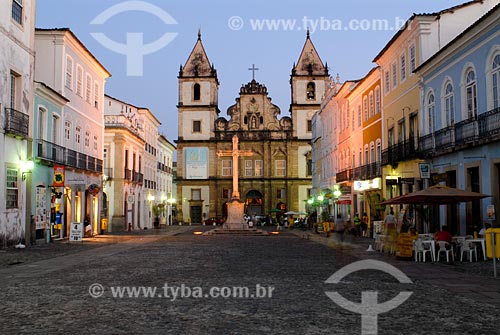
[[235, 35]]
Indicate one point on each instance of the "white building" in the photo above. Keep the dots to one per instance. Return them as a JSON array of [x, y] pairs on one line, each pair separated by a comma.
[[17, 57], [64, 64], [164, 179]]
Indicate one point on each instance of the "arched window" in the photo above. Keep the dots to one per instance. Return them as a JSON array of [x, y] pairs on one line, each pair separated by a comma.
[[379, 151], [311, 91], [377, 100], [372, 106], [471, 94], [449, 105], [431, 110], [196, 92], [495, 77], [372, 153]]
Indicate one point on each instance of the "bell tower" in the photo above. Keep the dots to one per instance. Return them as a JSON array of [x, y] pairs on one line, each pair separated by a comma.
[[198, 96], [309, 81]]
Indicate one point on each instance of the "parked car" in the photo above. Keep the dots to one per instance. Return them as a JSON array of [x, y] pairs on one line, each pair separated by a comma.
[[212, 220]]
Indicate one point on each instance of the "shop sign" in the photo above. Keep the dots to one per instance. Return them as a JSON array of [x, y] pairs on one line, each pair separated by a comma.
[[76, 232], [58, 176], [363, 185]]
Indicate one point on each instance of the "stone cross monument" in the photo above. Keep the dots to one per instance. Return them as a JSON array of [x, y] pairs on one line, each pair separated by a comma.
[[235, 207], [235, 153]]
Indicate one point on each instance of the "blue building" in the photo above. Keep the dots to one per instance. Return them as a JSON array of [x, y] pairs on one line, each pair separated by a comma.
[[48, 153], [460, 121]]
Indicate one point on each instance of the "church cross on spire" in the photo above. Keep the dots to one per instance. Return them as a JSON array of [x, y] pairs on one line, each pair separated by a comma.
[[253, 69]]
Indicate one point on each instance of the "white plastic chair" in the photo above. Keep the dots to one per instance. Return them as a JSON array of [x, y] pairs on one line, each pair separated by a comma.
[[468, 247], [421, 249], [446, 248]]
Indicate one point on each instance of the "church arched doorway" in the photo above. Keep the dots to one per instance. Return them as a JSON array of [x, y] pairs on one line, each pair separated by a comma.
[[253, 203]]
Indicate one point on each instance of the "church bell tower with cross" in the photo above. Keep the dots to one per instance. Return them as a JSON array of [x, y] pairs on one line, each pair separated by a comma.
[[198, 95], [309, 81]]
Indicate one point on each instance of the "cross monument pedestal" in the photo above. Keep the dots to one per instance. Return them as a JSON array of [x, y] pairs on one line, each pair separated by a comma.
[[235, 223]]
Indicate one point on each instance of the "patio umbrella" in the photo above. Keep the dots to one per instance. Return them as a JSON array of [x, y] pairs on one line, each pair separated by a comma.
[[275, 210], [436, 195], [291, 213]]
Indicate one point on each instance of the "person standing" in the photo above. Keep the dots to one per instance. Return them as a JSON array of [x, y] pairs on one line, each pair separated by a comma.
[[357, 224], [364, 225]]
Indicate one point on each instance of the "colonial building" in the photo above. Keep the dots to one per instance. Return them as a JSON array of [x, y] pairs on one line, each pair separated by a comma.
[[71, 143], [460, 122], [17, 59], [278, 173], [164, 179]]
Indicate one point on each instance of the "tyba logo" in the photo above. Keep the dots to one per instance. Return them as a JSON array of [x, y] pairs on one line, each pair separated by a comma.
[[369, 308], [134, 48]]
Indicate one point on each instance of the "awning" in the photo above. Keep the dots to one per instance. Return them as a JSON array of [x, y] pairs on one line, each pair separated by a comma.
[[344, 200]]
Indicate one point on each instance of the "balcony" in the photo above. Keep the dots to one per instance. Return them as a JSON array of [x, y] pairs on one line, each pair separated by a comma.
[[465, 134], [123, 122], [402, 151], [98, 165], [71, 158], [16, 123], [49, 151], [81, 161], [91, 163], [128, 174], [343, 176]]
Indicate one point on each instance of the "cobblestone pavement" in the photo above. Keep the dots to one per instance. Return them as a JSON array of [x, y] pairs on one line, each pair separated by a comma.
[[52, 296]]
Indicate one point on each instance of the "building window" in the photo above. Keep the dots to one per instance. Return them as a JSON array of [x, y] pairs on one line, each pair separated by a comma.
[[227, 167], [96, 95], [365, 107], [309, 125], [390, 137], [248, 168], [372, 105], [79, 80], [12, 188], [359, 115], [14, 80], [387, 82], [394, 70], [67, 131], [55, 128], [379, 152], [403, 67], [88, 89], [87, 138], [377, 100], [280, 167], [69, 73], [311, 91], [17, 11], [78, 135], [197, 126], [353, 119], [471, 94], [196, 194], [95, 143], [105, 154], [495, 78], [42, 122], [413, 58], [449, 105], [225, 193], [431, 109], [309, 171], [196, 92], [280, 193], [259, 168]]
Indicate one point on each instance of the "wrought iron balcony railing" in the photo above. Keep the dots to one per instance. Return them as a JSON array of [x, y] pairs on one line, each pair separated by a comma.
[[16, 123]]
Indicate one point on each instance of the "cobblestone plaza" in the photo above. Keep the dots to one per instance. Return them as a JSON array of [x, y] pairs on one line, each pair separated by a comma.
[[57, 293]]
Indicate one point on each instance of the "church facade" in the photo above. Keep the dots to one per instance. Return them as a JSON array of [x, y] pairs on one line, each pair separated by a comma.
[[278, 173]]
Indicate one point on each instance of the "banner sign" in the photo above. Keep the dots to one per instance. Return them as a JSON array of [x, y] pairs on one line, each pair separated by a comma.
[[58, 176]]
